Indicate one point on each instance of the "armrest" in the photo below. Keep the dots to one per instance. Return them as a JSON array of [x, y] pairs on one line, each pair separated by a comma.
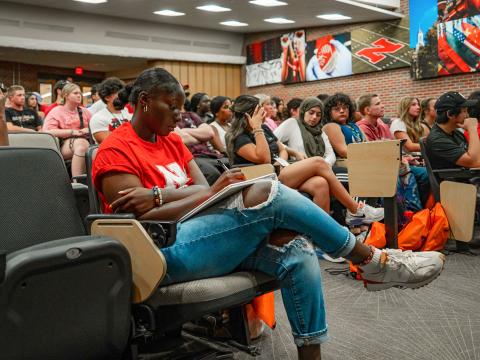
[[92, 217], [163, 233]]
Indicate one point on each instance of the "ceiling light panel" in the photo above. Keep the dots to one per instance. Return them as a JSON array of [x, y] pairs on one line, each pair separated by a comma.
[[213, 8], [233, 23], [333, 17], [268, 3], [168, 13], [92, 1], [279, 20]]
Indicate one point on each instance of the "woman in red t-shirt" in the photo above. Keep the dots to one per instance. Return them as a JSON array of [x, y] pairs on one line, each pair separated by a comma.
[[146, 154]]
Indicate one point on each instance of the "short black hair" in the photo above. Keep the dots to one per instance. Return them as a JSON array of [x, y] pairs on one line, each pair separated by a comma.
[[335, 100], [442, 116], [149, 80], [293, 104], [322, 97], [110, 86], [94, 89]]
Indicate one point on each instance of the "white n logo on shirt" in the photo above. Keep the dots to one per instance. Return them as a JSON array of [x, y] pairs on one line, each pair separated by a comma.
[[173, 174]]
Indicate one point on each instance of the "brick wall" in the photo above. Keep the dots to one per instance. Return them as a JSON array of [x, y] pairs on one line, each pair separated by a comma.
[[391, 85]]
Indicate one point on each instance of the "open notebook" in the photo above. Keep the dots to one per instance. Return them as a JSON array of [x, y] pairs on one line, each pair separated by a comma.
[[225, 193]]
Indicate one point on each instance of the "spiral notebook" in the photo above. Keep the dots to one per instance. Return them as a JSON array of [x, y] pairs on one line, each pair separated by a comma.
[[225, 193]]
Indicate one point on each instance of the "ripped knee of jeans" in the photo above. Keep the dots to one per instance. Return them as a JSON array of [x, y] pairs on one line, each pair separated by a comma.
[[271, 186], [300, 242]]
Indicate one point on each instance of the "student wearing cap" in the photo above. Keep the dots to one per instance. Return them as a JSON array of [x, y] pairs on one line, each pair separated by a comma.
[[447, 147]]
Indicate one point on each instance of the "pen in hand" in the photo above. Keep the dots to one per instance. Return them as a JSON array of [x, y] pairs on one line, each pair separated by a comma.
[[223, 166]]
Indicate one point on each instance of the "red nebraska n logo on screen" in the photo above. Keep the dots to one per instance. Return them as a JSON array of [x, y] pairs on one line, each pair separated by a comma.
[[380, 47]]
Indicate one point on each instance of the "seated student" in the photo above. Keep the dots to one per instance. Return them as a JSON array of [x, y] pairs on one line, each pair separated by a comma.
[[56, 96], [474, 111], [293, 106], [249, 140], [408, 126], [280, 106], [305, 134], [113, 115], [197, 135], [69, 122], [145, 154], [339, 123], [3, 124], [446, 147], [32, 101], [265, 101], [428, 114], [372, 110], [414, 190], [18, 116], [200, 105], [220, 106]]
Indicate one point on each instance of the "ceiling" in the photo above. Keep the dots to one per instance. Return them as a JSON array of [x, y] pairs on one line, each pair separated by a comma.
[[303, 12]]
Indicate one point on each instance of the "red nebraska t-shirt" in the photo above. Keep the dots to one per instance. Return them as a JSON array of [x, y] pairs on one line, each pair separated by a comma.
[[164, 163]]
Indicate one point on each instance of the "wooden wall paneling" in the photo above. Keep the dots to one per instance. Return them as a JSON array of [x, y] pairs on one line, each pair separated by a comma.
[[236, 81], [222, 79], [207, 79], [200, 85], [230, 82], [184, 73], [192, 77], [176, 69]]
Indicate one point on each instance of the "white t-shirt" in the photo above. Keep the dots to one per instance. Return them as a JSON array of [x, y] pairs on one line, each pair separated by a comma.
[[221, 132], [288, 132], [398, 125], [96, 107], [104, 120]]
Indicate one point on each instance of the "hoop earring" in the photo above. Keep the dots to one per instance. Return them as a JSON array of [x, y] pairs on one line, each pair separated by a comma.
[[145, 108]]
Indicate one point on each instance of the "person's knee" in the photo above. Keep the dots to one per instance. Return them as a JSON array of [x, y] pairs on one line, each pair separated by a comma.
[[81, 146], [257, 194], [320, 185], [320, 164]]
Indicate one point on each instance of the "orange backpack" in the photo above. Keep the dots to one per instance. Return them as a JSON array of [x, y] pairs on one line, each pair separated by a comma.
[[427, 231]]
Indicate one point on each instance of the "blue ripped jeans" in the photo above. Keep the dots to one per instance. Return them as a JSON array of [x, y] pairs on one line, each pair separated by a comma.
[[227, 238]]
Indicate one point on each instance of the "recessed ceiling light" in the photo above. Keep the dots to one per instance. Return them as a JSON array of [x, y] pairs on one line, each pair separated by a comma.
[[268, 2], [279, 20], [333, 17], [92, 1], [168, 13], [233, 23], [213, 8]]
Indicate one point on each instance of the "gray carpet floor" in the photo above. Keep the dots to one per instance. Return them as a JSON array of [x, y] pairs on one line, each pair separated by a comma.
[[440, 321]]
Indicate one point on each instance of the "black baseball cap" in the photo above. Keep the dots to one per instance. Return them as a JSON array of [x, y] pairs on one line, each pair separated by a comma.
[[453, 100]]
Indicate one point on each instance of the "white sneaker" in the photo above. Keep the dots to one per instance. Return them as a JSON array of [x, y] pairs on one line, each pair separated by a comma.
[[401, 269], [365, 214]]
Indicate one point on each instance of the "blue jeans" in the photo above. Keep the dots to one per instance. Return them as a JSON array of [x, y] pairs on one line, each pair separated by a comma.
[[227, 238]]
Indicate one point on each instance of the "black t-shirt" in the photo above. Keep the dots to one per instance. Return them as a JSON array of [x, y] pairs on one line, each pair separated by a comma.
[[27, 118], [248, 138], [444, 150]]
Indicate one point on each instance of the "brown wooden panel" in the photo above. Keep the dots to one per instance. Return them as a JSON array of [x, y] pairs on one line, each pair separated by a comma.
[[200, 85], [222, 79], [183, 73], [192, 76], [230, 83], [236, 81], [176, 69], [208, 79]]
